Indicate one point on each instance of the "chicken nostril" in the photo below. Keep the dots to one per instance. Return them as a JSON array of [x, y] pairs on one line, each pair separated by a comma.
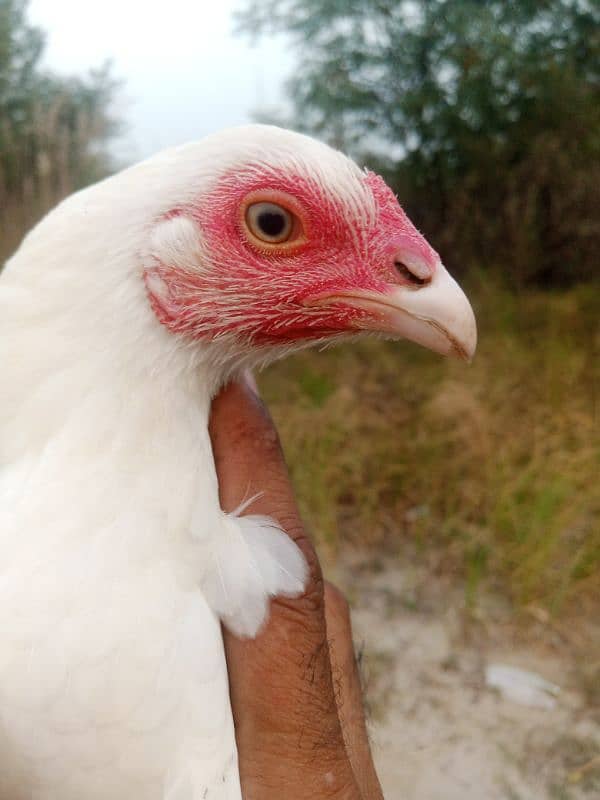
[[409, 275]]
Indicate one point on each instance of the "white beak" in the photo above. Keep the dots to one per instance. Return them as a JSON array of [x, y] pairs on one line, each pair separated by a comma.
[[436, 315]]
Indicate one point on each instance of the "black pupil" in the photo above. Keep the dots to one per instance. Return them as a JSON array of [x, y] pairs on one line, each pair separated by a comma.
[[271, 223]]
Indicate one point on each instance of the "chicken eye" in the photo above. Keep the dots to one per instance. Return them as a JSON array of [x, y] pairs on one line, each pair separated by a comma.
[[269, 222]]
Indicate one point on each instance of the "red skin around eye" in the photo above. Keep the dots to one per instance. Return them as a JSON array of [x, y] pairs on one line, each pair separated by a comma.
[[258, 290]]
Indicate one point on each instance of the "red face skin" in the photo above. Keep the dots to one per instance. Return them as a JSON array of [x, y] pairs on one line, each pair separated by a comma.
[[263, 293]]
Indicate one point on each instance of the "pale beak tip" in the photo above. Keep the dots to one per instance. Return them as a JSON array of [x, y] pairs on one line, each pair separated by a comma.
[[464, 347]]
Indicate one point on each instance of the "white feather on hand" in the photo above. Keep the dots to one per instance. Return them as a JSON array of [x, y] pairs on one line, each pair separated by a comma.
[[251, 560]]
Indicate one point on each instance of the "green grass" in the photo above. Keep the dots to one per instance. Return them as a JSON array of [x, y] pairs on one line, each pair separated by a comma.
[[495, 464]]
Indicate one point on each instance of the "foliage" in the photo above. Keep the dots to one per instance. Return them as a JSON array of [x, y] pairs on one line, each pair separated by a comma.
[[53, 130], [493, 466], [483, 114]]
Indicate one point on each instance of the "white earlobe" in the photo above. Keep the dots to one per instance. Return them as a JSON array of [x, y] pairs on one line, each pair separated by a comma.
[[178, 243]]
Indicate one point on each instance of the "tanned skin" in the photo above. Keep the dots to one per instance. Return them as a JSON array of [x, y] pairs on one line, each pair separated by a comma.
[[295, 689]]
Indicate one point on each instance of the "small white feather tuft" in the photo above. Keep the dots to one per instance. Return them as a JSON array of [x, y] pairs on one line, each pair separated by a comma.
[[251, 561], [178, 243]]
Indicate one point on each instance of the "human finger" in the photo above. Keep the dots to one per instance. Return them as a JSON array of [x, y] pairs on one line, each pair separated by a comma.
[[289, 737], [349, 692]]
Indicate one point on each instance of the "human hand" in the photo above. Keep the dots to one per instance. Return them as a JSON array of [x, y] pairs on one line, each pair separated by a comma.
[[295, 689]]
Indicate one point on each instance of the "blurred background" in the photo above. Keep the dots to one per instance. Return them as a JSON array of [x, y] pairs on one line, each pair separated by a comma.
[[459, 507]]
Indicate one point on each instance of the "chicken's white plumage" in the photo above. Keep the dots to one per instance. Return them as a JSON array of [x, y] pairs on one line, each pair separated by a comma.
[[113, 682]]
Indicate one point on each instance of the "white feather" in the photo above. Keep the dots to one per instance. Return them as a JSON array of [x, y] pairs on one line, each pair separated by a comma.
[[252, 561]]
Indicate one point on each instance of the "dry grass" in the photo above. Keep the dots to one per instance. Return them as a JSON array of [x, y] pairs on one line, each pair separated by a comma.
[[495, 465]]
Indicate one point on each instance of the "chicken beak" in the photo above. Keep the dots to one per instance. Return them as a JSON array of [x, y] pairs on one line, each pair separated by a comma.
[[436, 314]]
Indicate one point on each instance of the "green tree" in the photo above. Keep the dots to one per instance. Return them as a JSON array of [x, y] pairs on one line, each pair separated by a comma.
[[54, 131], [483, 114]]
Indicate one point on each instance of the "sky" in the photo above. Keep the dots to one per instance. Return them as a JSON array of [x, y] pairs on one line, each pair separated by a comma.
[[185, 74]]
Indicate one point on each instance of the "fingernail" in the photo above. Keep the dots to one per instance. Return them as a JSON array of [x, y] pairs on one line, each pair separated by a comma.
[[251, 382]]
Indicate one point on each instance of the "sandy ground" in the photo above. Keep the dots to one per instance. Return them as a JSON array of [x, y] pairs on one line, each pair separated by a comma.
[[439, 732]]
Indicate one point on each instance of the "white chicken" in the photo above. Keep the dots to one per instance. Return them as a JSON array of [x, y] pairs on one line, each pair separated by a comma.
[[121, 315]]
